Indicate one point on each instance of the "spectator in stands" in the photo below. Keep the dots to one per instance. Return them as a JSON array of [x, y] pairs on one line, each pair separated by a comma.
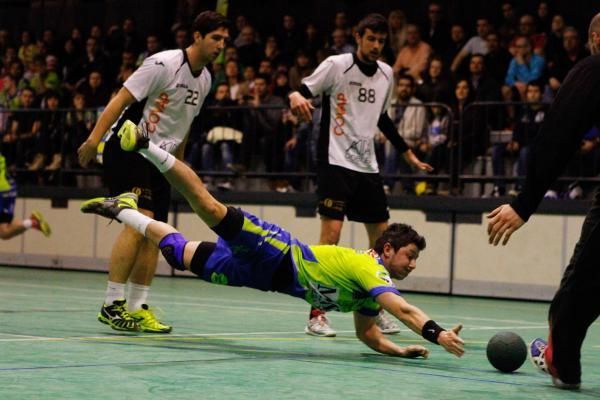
[[528, 29], [572, 52], [28, 49], [312, 41], [485, 87], [127, 66], [281, 88], [434, 83], [153, 46], [438, 130], [265, 67], [554, 39], [267, 124], [249, 75], [12, 85], [69, 60], [231, 53], [412, 58], [4, 41], [411, 121], [544, 21], [18, 141], [94, 90], [397, 35], [272, 51], [50, 43], [48, 141], [93, 59], [525, 67], [527, 126], [238, 88], [456, 43], [78, 125], [507, 28], [340, 21], [435, 31], [223, 135], [249, 51], [290, 40], [470, 130], [240, 22], [302, 68], [340, 43], [181, 36], [41, 79], [497, 58], [475, 45]]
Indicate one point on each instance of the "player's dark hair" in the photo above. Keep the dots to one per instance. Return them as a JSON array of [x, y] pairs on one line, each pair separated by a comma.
[[375, 22], [399, 235], [209, 21]]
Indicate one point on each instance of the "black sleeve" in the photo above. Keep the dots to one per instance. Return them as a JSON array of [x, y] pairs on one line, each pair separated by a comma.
[[573, 112], [386, 126], [305, 91]]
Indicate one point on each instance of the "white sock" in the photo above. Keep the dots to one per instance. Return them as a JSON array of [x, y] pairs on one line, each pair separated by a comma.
[[162, 159], [114, 291], [137, 296], [135, 219], [27, 223]]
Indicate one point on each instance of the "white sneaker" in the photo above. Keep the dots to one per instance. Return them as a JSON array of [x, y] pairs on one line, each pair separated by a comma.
[[551, 194], [386, 324], [575, 192], [537, 355], [319, 326]]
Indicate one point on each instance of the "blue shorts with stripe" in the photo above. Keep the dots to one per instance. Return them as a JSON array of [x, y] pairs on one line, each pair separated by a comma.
[[7, 204], [252, 258]]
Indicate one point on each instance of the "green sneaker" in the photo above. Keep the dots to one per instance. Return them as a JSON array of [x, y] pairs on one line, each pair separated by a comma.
[[116, 316], [40, 223], [132, 137], [110, 207], [148, 322]]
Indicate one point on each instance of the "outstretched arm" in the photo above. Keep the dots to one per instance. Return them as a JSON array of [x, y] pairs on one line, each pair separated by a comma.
[[369, 333], [421, 324]]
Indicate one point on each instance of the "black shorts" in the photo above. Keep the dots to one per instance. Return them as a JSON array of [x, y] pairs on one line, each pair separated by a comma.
[[357, 195], [130, 172]]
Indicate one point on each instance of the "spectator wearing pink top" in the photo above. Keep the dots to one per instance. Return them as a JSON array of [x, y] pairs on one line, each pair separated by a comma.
[[412, 58]]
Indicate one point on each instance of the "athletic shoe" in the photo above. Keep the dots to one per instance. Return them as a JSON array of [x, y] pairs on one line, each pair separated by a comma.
[[537, 355], [386, 324], [117, 317], [147, 321], [132, 137], [319, 326], [110, 207], [39, 222]]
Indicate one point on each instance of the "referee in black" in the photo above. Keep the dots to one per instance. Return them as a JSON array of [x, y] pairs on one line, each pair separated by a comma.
[[576, 304]]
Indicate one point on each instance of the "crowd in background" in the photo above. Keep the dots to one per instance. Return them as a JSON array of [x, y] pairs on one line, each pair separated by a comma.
[[515, 59]]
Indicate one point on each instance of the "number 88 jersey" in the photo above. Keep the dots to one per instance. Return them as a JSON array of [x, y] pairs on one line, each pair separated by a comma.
[[354, 97]]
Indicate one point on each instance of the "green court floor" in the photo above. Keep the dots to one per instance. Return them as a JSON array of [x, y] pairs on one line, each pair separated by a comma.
[[233, 343]]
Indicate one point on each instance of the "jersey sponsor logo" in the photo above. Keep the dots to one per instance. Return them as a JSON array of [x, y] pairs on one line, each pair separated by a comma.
[[168, 145], [159, 63], [359, 151], [352, 83], [161, 102], [336, 205], [340, 111], [384, 276], [181, 85]]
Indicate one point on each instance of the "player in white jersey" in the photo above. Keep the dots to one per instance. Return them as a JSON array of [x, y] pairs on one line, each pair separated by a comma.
[[357, 91], [163, 96]]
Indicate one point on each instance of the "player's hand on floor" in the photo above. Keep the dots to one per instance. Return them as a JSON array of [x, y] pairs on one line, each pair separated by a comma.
[[415, 351], [503, 221], [451, 342]]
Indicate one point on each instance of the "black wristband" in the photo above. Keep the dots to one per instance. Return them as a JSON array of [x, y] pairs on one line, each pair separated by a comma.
[[431, 331]]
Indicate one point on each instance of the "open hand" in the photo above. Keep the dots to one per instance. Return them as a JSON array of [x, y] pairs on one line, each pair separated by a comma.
[[451, 342], [503, 221], [415, 351]]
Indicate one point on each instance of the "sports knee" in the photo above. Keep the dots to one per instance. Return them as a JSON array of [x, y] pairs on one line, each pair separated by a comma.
[[172, 247]]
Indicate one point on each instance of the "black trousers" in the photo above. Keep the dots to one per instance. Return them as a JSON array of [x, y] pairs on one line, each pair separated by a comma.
[[576, 304]]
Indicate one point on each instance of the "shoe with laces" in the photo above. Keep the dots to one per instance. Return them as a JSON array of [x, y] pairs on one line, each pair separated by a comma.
[[110, 207], [116, 316], [133, 137], [386, 324], [537, 355], [319, 326], [39, 222], [148, 322]]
